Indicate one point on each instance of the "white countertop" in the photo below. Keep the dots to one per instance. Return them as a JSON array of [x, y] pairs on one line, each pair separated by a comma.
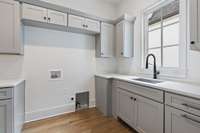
[[10, 83], [187, 89]]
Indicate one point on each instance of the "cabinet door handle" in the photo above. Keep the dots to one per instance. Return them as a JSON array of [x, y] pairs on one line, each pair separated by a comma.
[[135, 99], [86, 26], [122, 53], [45, 18], [131, 98], [191, 119], [83, 25], [190, 106]]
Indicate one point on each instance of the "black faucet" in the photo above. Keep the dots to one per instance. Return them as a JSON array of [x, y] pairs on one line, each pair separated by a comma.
[[155, 72]]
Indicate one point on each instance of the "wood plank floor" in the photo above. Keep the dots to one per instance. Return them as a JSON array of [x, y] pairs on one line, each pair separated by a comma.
[[85, 121]]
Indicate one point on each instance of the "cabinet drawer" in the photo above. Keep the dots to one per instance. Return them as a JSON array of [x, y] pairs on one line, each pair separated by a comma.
[[140, 90], [184, 103], [5, 93], [178, 121]]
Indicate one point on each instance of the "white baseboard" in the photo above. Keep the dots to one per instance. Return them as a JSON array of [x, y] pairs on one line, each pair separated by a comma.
[[92, 103], [55, 111], [46, 113]]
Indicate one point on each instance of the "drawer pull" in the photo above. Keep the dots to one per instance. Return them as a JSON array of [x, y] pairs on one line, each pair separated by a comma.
[[190, 106], [191, 119]]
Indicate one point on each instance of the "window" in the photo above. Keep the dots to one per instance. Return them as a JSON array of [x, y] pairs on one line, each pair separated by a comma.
[[164, 25]]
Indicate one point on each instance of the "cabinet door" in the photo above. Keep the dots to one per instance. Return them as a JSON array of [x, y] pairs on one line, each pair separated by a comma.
[[6, 124], [149, 116], [126, 107], [35, 13], [92, 25], [107, 40], [127, 39], [178, 121], [119, 39], [194, 24], [58, 18], [10, 27], [124, 39], [76, 22]]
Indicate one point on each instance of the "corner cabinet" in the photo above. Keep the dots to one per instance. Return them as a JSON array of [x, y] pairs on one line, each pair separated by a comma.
[[194, 14], [105, 41], [124, 39], [10, 28]]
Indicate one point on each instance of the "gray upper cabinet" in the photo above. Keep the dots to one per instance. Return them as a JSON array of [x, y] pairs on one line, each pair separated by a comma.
[[6, 116], [124, 39], [35, 13], [92, 25], [10, 28], [105, 41], [39, 14], [82, 23], [194, 6], [178, 121], [126, 107], [58, 18], [149, 116], [76, 22]]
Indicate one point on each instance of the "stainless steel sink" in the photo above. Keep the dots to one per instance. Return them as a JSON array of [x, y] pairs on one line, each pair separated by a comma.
[[148, 80]]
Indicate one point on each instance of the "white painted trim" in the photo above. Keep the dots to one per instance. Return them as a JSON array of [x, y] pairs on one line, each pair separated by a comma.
[[182, 71], [50, 112], [92, 103]]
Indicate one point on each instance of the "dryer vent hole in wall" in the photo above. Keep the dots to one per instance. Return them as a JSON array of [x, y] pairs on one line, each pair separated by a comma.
[[82, 100], [55, 74]]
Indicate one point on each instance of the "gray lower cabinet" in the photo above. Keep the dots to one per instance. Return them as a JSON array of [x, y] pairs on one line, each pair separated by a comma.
[[178, 121], [149, 115], [126, 107], [12, 108], [103, 95], [143, 114], [6, 116]]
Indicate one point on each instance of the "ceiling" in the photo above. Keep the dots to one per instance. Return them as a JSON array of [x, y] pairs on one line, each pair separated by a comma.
[[113, 1]]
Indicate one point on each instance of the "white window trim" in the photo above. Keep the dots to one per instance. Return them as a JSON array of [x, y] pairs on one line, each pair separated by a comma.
[[182, 71]]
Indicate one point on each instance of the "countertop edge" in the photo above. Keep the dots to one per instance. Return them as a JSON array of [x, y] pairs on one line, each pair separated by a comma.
[[11, 83], [160, 87]]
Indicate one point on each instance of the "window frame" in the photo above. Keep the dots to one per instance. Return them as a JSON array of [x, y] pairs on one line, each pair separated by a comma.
[[181, 71]]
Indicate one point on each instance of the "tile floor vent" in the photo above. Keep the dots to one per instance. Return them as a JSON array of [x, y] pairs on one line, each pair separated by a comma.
[[82, 100]]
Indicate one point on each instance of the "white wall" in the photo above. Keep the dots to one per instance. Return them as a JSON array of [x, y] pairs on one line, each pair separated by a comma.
[[49, 49], [131, 66]]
